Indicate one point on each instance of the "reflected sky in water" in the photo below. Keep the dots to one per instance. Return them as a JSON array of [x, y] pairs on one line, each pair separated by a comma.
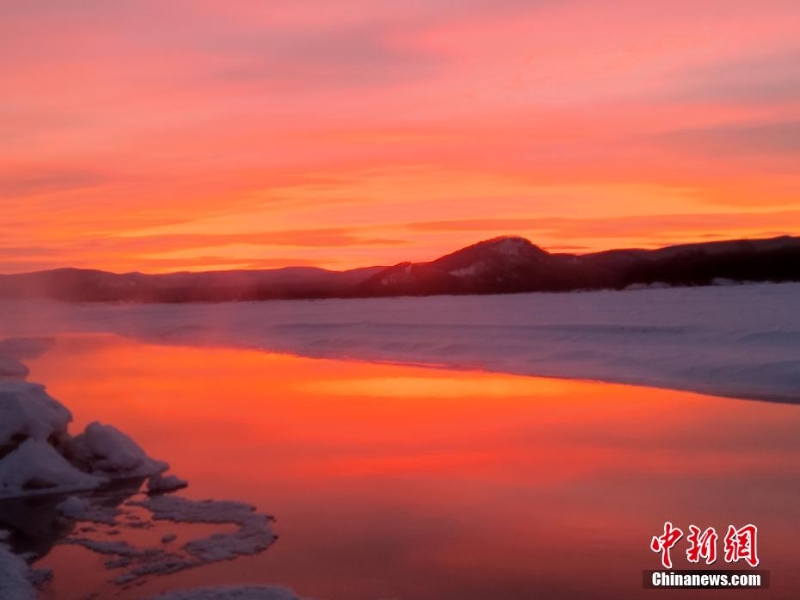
[[394, 482]]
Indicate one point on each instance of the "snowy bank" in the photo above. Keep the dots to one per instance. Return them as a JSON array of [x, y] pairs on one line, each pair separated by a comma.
[[39, 456], [734, 341]]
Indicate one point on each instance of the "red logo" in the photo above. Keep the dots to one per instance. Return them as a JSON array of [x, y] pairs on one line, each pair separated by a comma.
[[702, 545], [740, 544], [664, 543]]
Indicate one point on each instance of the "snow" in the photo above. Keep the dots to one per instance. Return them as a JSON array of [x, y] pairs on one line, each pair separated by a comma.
[[38, 456], [739, 340], [27, 411], [105, 449], [36, 467], [469, 271], [252, 535], [15, 576], [32, 425], [231, 593]]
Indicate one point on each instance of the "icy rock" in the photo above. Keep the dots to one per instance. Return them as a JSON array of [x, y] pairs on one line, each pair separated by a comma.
[[161, 484], [106, 450]]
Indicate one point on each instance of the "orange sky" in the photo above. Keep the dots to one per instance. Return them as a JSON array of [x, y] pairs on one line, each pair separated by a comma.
[[161, 135]]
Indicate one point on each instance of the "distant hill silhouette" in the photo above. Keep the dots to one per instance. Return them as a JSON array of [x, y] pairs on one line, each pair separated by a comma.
[[499, 266]]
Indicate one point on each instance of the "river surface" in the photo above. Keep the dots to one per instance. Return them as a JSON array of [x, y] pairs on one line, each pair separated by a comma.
[[411, 483]]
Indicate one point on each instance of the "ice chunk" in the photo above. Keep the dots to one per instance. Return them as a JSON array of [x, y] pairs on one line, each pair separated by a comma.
[[160, 484], [27, 411], [105, 449], [37, 455], [36, 467]]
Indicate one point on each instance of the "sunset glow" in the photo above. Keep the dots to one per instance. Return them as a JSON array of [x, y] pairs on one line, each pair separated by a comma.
[[188, 135], [425, 474]]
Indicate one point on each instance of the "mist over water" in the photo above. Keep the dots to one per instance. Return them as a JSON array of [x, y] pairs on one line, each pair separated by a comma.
[[740, 341]]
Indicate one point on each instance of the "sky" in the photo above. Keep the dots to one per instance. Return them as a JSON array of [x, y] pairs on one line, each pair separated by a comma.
[[167, 135]]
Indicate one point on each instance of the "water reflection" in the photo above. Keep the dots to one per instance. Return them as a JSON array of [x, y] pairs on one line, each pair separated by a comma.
[[36, 525], [414, 483]]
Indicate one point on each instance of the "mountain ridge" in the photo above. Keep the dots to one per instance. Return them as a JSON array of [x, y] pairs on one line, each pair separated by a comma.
[[506, 264]]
